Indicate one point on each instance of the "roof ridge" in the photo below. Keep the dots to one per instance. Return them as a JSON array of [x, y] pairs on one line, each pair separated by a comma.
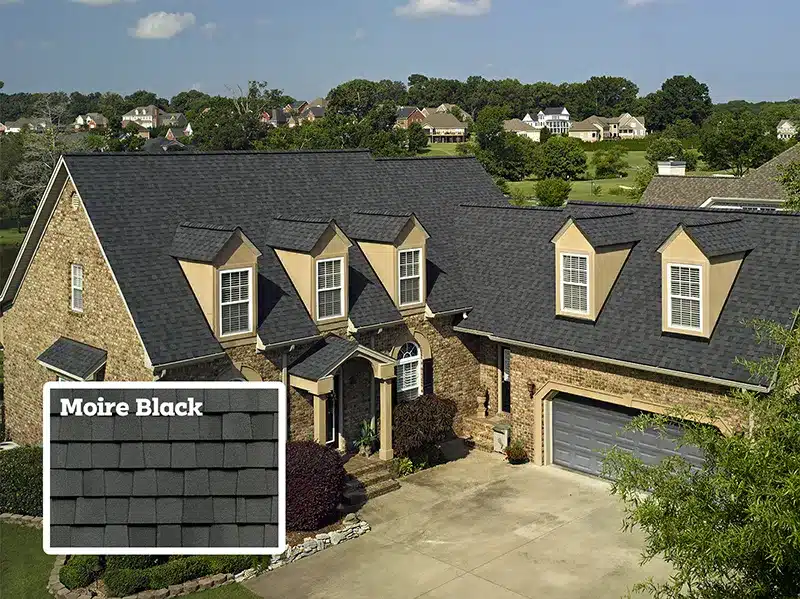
[[302, 220], [510, 207], [691, 177], [383, 213], [595, 217], [421, 158], [708, 224], [223, 152], [198, 225]]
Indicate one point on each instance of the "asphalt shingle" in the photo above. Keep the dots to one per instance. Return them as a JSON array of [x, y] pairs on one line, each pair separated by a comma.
[[75, 358]]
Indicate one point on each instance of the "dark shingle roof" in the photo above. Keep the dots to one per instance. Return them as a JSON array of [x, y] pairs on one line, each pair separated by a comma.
[[514, 299], [200, 242], [187, 485], [722, 237], [673, 190], [553, 110], [298, 235], [608, 228], [376, 226], [762, 183], [403, 112], [323, 357], [74, 358]]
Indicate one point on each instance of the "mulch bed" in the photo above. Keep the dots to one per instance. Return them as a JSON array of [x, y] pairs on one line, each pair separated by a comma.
[[295, 537]]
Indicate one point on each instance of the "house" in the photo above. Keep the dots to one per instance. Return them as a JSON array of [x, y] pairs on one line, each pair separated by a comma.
[[323, 102], [359, 296], [311, 113], [139, 129], [152, 116], [589, 130], [443, 127], [598, 128], [174, 133], [37, 124], [157, 145], [407, 115], [521, 128], [296, 108], [786, 129], [555, 118], [759, 189], [91, 120], [631, 127]]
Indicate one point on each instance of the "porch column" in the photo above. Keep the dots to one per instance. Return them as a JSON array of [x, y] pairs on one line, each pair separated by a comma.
[[320, 415], [386, 452]]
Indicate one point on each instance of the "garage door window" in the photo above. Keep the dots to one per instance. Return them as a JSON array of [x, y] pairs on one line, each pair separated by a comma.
[[575, 283], [684, 297]]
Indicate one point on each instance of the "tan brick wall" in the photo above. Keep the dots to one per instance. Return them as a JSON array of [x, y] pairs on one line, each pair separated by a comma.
[[42, 313]]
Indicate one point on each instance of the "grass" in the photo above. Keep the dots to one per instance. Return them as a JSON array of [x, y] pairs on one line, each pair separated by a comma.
[[441, 150], [25, 568], [12, 236]]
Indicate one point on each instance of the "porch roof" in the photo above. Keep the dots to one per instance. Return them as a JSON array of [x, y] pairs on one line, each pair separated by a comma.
[[327, 355], [73, 358]]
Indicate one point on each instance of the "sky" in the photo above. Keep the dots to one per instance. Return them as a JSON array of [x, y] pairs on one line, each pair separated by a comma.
[[308, 47]]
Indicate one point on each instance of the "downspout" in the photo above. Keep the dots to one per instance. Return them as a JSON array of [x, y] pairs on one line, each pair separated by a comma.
[[285, 381]]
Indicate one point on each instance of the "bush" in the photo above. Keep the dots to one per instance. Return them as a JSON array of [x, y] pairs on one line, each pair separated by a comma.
[[552, 192], [516, 452], [315, 479], [80, 571], [230, 564], [691, 158], [124, 582], [133, 562], [176, 572], [420, 423], [22, 480]]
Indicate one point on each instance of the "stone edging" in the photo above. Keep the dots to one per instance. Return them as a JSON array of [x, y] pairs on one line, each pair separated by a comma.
[[353, 527], [31, 521]]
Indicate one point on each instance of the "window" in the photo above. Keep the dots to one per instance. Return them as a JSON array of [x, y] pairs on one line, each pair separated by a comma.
[[410, 277], [684, 297], [575, 283], [330, 289], [407, 372], [76, 301], [235, 298]]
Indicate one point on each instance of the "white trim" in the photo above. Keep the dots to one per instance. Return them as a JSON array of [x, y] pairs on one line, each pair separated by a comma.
[[410, 360], [401, 278], [699, 299], [73, 267], [46, 524], [249, 328], [713, 202], [317, 289], [563, 283]]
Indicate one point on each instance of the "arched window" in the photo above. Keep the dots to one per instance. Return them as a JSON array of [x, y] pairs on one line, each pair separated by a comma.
[[408, 372]]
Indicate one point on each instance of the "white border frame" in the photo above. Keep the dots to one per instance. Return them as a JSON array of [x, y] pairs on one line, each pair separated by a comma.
[[317, 289], [401, 278], [50, 550], [249, 329], [588, 283], [672, 325]]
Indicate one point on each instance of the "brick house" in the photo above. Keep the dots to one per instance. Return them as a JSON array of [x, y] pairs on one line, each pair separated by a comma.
[[371, 281]]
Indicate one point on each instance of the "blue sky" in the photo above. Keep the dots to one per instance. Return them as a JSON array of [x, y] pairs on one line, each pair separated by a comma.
[[307, 47]]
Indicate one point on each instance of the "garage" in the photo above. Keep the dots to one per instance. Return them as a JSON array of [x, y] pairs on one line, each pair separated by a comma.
[[583, 428]]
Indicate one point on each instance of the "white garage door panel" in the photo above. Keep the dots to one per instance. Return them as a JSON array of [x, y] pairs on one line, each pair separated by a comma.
[[583, 429]]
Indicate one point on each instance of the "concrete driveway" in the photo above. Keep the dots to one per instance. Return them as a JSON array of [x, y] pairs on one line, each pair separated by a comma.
[[478, 528]]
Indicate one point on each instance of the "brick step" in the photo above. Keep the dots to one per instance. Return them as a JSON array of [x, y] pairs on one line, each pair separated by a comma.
[[370, 478], [361, 495], [364, 470]]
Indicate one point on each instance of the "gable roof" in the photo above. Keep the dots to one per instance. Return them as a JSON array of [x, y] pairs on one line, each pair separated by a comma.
[[720, 237], [590, 124], [442, 120], [297, 235], [514, 300], [553, 110], [73, 358], [517, 125], [200, 242], [403, 112], [381, 227]]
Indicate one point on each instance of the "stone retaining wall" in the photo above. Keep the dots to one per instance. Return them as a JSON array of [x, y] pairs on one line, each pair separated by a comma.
[[30, 521]]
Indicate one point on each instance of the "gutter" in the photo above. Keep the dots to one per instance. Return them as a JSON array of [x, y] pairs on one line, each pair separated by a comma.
[[372, 327], [450, 312], [613, 362], [188, 361], [287, 343]]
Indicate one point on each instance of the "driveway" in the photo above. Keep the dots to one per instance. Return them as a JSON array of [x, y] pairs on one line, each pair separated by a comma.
[[478, 528]]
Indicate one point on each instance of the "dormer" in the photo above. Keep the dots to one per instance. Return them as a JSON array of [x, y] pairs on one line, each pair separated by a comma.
[[589, 255], [314, 254], [221, 265], [396, 247], [699, 264]]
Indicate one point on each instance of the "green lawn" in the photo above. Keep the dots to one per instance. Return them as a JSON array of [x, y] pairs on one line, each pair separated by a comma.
[[12, 236], [25, 568], [441, 150]]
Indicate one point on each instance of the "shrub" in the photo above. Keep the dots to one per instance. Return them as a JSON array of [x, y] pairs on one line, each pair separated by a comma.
[[420, 423], [552, 192], [79, 571], [516, 452], [691, 157], [618, 191], [21, 473], [315, 479], [176, 572], [133, 562], [125, 581], [230, 564], [402, 467]]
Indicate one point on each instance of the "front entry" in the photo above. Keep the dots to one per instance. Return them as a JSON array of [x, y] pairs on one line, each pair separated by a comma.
[[505, 384], [332, 412]]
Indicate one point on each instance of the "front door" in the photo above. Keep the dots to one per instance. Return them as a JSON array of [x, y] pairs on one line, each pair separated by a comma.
[[332, 416], [505, 401]]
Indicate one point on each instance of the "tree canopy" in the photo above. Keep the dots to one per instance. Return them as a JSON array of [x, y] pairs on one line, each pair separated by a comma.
[[738, 141]]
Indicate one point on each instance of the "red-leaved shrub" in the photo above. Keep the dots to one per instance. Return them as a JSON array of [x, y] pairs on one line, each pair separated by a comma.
[[420, 423], [315, 480]]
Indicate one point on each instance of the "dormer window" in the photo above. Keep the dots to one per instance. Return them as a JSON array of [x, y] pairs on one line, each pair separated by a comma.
[[235, 301], [575, 283], [330, 289], [410, 277], [684, 297]]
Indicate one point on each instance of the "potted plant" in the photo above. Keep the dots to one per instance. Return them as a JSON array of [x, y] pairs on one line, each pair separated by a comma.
[[516, 453], [366, 439]]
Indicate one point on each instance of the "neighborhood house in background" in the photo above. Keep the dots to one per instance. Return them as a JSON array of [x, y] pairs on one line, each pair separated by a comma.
[[598, 128], [555, 119], [786, 129]]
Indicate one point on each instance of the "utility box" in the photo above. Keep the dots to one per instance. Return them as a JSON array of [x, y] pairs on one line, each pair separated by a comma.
[[502, 436]]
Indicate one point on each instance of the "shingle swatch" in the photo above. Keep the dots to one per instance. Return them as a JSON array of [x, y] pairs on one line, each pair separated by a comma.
[[166, 481]]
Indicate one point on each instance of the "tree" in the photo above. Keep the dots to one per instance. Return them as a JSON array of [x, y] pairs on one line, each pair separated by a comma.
[[612, 95], [790, 179], [559, 158], [552, 192], [224, 127], [681, 129], [728, 528], [417, 138], [680, 97], [610, 163], [737, 141], [644, 174], [663, 148], [189, 102], [146, 98], [544, 135]]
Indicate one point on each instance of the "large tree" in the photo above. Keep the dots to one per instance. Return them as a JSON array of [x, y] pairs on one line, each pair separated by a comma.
[[612, 95], [680, 97], [738, 141], [663, 148], [559, 158], [503, 154], [790, 179], [729, 528]]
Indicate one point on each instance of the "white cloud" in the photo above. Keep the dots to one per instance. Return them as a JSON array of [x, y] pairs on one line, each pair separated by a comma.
[[209, 29], [456, 8], [163, 25], [359, 34], [101, 2]]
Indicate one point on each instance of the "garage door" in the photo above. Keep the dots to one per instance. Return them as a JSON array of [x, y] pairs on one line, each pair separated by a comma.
[[583, 429]]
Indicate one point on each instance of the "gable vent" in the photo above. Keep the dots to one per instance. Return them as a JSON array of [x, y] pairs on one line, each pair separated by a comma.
[[76, 201]]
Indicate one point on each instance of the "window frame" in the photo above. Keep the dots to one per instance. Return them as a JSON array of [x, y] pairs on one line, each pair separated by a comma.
[[563, 283], [401, 278], [404, 361], [317, 289], [698, 299], [220, 304], [73, 288]]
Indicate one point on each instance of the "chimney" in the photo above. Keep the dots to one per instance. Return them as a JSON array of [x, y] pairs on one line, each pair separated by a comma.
[[676, 168]]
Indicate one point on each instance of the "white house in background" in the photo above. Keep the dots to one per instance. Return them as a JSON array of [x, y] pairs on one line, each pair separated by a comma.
[[556, 119], [598, 128], [521, 128], [91, 120], [629, 126], [37, 124], [152, 116], [786, 129]]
